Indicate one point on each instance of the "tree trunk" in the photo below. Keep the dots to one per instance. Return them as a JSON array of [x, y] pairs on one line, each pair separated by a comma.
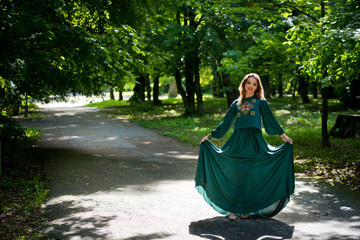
[[315, 90], [325, 96], [178, 67], [121, 95], [324, 117], [190, 86], [0, 160], [190, 60], [231, 90], [350, 98], [179, 84], [294, 90], [112, 97], [141, 81], [188, 95], [156, 100], [346, 126], [147, 85], [139, 90], [266, 85], [199, 98], [26, 106], [303, 88], [217, 85], [280, 86]]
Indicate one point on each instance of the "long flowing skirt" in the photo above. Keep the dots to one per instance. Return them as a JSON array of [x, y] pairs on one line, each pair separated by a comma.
[[246, 175]]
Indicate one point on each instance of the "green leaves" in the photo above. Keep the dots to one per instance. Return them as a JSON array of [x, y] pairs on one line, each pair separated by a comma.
[[330, 46], [54, 48]]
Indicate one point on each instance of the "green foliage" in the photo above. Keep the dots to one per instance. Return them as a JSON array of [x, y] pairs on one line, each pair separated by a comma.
[[14, 138], [54, 48], [328, 49], [22, 190]]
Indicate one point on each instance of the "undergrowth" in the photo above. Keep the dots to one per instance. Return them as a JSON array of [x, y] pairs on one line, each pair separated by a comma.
[[22, 189]]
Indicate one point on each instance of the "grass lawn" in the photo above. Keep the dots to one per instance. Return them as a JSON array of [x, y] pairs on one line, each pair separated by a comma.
[[301, 122]]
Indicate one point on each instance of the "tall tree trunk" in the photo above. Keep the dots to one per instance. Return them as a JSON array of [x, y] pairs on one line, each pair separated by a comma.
[[217, 85], [178, 68], [190, 59], [188, 95], [121, 95], [315, 90], [325, 96], [190, 86], [179, 84], [156, 100], [266, 85], [196, 71], [141, 81], [303, 88], [294, 84], [26, 105], [199, 96], [324, 117], [350, 100], [147, 86], [112, 97], [280, 86], [231, 91]]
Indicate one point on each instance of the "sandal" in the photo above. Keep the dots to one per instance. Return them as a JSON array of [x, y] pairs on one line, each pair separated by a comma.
[[244, 216], [232, 216]]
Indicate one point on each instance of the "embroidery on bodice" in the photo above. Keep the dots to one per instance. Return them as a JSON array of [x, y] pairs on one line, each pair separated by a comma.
[[245, 108]]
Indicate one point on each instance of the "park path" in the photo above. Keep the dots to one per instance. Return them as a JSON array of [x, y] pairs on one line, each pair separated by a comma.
[[112, 179]]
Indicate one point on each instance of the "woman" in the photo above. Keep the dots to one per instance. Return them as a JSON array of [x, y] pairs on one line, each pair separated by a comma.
[[246, 176]]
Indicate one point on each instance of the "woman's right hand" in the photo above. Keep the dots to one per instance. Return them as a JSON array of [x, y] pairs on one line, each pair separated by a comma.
[[205, 139]]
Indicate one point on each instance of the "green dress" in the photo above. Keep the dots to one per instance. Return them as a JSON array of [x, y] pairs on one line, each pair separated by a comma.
[[246, 175]]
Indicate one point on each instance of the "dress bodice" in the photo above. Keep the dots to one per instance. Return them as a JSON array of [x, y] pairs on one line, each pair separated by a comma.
[[248, 114]]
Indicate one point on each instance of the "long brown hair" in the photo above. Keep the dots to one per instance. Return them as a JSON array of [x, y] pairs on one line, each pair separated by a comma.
[[259, 92]]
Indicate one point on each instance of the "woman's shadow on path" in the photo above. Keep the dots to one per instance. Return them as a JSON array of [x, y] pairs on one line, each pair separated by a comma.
[[253, 228]]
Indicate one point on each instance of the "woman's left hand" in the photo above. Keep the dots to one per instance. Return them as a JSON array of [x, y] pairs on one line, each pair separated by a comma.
[[286, 138]]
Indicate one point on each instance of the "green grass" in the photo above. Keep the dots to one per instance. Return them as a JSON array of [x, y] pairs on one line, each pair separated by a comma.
[[301, 122], [108, 104]]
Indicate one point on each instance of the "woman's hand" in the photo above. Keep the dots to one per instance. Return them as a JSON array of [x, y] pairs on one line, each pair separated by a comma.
[[286, 138], [205, 139]]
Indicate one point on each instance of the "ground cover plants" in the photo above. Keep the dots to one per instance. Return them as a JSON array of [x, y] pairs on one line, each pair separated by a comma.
[[22, 188], [302, 122]]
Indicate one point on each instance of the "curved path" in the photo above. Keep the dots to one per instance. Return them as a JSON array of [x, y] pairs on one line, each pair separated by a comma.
[[112, 179]]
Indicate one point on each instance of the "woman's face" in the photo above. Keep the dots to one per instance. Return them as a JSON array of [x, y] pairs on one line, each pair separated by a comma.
[[251, 85]]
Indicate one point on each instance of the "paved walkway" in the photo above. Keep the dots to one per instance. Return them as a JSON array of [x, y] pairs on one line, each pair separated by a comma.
[[112, 179]]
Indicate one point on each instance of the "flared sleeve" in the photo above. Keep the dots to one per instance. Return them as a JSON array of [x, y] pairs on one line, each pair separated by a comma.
[[226, 123], [270, 123]]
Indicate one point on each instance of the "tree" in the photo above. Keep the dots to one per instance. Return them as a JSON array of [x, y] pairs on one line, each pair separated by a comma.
[[54, 48], [332, 45]]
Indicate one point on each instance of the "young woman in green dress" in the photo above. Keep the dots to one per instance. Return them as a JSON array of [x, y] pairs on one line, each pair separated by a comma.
[[246, 176]]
